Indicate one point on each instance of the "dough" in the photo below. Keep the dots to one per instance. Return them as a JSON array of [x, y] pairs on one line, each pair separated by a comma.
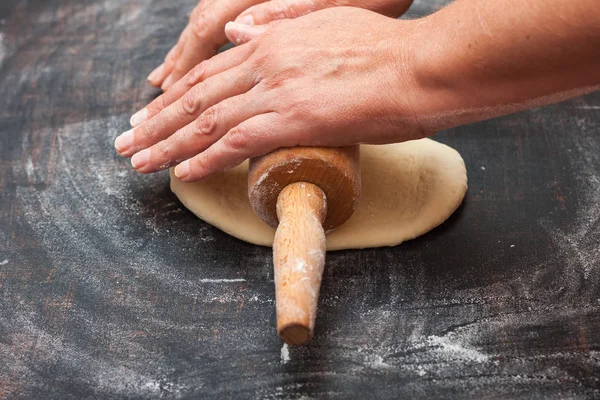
[[407, 189]]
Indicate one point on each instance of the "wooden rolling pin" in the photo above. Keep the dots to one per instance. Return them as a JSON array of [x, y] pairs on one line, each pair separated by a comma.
[[303, 192]]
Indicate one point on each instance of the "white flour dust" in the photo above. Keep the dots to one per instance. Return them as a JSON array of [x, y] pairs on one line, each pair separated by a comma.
[[88, 219], [456, 349], [3, 49], [579, 245], [221, 280], [285, 354]]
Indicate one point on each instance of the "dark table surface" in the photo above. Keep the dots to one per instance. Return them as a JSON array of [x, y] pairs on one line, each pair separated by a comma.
[[109, 288]]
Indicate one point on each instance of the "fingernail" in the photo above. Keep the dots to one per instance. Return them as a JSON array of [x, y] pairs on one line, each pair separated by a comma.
[[139, 117], [156, 73], [245, 20], [182, 170], [124, 142], [139, 160]]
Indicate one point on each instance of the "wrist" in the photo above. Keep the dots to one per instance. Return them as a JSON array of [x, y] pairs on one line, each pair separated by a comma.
[[421, 91], [474, 61]]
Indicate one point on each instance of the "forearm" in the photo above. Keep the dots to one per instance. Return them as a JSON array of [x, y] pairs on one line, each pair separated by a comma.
[[478, 59]]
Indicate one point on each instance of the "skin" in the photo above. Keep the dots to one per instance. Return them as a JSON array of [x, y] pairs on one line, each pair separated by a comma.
[[343, 76], [204, 34], [200, 39]]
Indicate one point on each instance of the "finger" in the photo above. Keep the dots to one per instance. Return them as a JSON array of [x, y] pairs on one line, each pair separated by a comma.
[[193, 54], [202, 96], [160, 73], [221, 62], [205, 38], [157, 74], [253, 137], [239, 33], [172, 61], [277, 9], [184, 39], [201, 133]]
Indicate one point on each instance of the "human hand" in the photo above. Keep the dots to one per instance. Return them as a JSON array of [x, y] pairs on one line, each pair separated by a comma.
[[333, 78], [204, 33], [343, 76], [200, 40], [272, 10]]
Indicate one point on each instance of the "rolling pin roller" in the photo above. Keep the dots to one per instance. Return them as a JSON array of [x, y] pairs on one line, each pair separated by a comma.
[[303, 192]]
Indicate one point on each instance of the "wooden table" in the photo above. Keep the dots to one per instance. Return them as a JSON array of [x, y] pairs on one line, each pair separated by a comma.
[[109, 288]]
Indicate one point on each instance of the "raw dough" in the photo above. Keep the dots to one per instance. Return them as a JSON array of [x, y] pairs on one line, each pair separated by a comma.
[[407, 189]]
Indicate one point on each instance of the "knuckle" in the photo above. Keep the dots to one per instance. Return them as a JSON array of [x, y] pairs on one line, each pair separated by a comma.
[[144, 132], [152, 129], [207, 122], [197, 74], [280, 10], [236, 139], [155, 106], [200, 26], [290, 9], [162, 103], [165, 152], [200, 165], [190, 103]]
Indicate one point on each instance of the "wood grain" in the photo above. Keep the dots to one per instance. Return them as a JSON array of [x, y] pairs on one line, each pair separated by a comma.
[[335, 170], [110, 289], [298, 259]]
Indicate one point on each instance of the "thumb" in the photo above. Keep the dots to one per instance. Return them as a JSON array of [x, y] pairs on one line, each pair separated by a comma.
[[239, 33], [276, 9]]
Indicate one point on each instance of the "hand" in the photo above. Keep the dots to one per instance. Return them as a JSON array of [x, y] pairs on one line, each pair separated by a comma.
[[200, 39], [272, 10], [335, 77], [204, 34]]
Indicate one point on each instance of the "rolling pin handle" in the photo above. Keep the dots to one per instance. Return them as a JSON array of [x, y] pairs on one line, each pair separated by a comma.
[[299, 257]]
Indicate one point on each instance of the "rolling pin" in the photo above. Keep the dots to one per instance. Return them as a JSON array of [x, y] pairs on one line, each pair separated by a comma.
[[302, 192]]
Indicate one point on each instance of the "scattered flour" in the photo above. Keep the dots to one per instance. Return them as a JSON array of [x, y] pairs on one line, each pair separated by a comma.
[[3, 50], [579, 245], [456, 349], [88, 219], [285, 354]]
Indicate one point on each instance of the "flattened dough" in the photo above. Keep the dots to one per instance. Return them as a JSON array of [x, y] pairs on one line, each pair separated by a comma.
[[407, 189]]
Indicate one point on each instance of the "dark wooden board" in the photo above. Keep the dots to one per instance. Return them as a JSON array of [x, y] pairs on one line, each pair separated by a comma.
[[109, 288]]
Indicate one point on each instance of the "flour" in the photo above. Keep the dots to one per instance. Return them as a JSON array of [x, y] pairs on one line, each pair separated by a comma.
[[90, 189], [123, 320], [3, 49], [579, 245], [455, 349], [221, 280], [285, 354], [104, 374], [300, 265]]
